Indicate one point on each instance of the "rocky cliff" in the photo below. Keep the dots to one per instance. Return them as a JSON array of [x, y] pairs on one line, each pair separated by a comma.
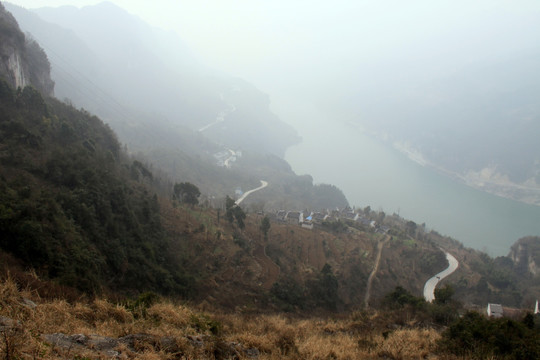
[[525, 254], [22, 61]]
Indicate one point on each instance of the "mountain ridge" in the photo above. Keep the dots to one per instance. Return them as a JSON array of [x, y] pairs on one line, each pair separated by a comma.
[[138, 71]]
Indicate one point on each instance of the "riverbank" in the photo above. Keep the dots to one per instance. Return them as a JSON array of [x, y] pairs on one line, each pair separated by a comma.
[[488, 179], [370, 172]]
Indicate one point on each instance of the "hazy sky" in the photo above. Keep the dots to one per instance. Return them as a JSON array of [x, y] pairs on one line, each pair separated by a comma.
[[253, 32], [315, 47]]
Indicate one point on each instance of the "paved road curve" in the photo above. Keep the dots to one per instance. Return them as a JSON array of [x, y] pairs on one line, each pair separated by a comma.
[[219, 118], [263, 185], [429, 288]]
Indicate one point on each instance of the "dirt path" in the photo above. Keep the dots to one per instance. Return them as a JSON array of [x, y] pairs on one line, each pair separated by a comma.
[[380, 246], [270, 271]]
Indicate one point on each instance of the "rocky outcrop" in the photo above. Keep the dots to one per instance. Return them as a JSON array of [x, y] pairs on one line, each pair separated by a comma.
[[533, 267], [22, 61], [110, 347], [130, 345], [525, 254], [15, 69]]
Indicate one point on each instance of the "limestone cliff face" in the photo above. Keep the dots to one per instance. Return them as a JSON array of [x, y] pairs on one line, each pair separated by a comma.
[[526, 254], [22, 61], [15, 70]]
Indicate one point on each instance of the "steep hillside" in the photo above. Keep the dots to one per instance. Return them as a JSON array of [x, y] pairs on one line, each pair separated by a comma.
[[69, 206], [23, 61], [153, 78]]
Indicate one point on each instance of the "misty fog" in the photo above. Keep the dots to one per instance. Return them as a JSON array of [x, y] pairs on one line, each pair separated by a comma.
[[450, 85]]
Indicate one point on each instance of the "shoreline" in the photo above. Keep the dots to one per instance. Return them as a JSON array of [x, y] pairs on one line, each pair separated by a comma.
[[517, 192]]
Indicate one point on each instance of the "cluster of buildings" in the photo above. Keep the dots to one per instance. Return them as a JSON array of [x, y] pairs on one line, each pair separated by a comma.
[[226, 157], [310, 219]]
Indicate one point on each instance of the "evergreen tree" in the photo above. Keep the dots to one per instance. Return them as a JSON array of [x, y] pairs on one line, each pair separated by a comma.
[[265, 227], [186, 193]]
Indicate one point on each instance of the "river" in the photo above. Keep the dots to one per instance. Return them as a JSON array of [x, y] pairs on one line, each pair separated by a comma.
[[372, 173]]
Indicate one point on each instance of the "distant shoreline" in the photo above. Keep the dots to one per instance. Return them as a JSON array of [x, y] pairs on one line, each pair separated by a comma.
[[503, 188]]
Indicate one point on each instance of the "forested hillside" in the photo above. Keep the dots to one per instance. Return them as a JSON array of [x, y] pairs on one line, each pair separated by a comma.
[[70, 207]]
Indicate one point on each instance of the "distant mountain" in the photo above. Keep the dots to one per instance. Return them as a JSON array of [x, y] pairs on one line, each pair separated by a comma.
[[117, 66], [479, 124]]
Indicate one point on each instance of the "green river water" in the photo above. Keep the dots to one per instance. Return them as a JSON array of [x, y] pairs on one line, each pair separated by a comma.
[[372, 173]]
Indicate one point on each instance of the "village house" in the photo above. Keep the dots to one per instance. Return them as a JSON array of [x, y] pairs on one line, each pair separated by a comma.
[[308, 221], [366, 222], [319, 217], [351, 215], [294, 217], [498, 311], [307, 225], [221, 157], [494, 310], [280, 216], [336, 214]]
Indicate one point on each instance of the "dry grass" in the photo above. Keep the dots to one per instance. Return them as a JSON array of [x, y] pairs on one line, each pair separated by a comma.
[[197, 335], [408, 344]]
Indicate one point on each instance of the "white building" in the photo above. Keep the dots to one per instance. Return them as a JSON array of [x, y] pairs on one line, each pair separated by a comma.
[[495, 310]]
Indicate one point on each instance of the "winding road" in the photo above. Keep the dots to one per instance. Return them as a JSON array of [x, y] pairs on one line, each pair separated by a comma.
[[242, 198], [219, 118], [429, 288]]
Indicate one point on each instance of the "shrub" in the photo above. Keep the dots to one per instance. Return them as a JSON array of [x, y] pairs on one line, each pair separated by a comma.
[[479, 337], [400, 297], [289, 294]]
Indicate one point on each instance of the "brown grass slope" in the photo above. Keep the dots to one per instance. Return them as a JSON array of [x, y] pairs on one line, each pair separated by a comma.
[[167, 330]]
